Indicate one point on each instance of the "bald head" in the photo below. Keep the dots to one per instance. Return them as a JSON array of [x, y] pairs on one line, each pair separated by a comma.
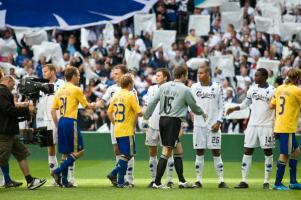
[[9, 81]]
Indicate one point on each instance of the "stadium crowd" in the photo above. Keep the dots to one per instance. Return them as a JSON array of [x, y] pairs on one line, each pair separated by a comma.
[[246, 44]]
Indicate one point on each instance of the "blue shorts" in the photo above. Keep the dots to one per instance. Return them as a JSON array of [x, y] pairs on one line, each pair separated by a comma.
[[127, 146], [287, 143], [69, 136]]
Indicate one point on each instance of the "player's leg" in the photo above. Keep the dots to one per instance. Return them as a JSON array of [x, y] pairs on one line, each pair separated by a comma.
[[199, 144], [293, 164], [153, 162], [169, 168], [52, 160], [166, 153], [268, 166], [284, 143]]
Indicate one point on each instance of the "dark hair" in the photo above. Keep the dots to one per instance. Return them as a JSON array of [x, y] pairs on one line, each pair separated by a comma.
[[263, 72], [51, 67], [126, 79], [165, 73], [123, 68], [180, 71], [206, 67], [70, 72]]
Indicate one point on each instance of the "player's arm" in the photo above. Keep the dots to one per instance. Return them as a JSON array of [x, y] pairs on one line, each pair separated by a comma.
[[135, 106], [110, 112], [55, 107], [152, 104], [273, 103], [245, 104], [216, 126]]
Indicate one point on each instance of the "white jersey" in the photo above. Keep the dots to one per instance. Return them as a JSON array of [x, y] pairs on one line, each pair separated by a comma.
[[153, 121], [44, 117], [210, 99], [259, 99], [112, 90]]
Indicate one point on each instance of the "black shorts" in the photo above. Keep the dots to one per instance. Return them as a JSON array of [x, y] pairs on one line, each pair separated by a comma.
[[169, 130]]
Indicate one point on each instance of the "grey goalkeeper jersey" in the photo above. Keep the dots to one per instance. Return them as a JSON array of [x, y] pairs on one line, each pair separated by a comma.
[[174, 99]]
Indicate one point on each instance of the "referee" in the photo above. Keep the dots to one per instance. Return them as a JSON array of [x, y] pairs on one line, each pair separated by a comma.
[[174, 99]]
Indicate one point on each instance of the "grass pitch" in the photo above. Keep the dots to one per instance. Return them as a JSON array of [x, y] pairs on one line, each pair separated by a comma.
[[92, 184]]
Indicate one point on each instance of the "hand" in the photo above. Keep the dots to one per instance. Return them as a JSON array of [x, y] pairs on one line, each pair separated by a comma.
[[205, 117], [229, 111], [215, 127], [32, 109], [144, 125]]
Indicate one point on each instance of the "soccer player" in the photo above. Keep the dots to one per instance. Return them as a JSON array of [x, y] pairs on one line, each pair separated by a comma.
[[118, 72], [207, 135], [152, 139], [174, 99], [70, 142], [287, 102], [260, 127], [44, 118], [122, 112]]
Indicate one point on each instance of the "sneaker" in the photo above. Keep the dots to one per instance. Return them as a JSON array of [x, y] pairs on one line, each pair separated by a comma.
[[280, 187], [122, 186], [57, 178], [198, 184], [266, 186], [164, 187], [242, 185], [36, 183], [150, 185], [295, 186], [130, 185], [73, 182], [69, 185], [113, 179], [186, 185], [222, 185], [53, 183], [12, 183], [170, 184]]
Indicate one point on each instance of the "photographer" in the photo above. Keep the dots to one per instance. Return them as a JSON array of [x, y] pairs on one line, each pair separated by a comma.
[[9, 127]]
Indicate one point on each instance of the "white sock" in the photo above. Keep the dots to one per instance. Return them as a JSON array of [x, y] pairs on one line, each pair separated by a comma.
[[245, 167], [268, 165], [53, 164], [1, 178], [199, 167], [130, 171], [219, 168], [117, 157], [170, 167], [153, 162], [71, 172]]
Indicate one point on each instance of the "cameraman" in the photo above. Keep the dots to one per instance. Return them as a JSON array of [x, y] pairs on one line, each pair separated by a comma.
[[44, 118], [9, 127]]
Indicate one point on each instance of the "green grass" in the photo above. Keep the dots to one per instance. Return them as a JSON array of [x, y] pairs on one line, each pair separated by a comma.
[[90, 176]]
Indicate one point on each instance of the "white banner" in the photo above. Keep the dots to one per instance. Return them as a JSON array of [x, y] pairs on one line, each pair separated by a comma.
[[144, 22], [263, 24], [224, 63], [229, 7], [164, 39], [288, 18], [132, 59], [195, 63], [51, 51], [240, 114], [8, 47], [235, 18], [84, 35], [287, 30], [6, 66], [201, 24], [268, 64], [271, 11], [108, 34], [209, 3]]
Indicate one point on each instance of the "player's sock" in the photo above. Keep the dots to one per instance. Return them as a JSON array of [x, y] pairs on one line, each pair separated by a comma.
[[161, 169], [130, 171], [64, 166], [153, 162], [170, 165], [245, 167], [199, 167], [53, 164], [117, 157], [268, 165], [65, 176], [123, 164], [71, 172], [280, 172], [5, 172], [293, 171], [179, 167], [219, 168], [28, 178]]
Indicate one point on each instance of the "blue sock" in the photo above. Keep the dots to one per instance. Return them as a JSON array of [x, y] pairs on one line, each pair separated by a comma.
[[293, 171], [65, 177], [280, 172], [64, 166], [5, 171], [122, 171], [114, 172]]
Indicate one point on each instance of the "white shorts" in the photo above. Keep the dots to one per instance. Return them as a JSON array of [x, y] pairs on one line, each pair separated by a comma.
[[152, 137], [113, 139], [259, 136], [203, 138]]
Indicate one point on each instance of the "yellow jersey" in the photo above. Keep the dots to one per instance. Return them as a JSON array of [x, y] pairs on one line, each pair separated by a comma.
[[67, 98], [287, 99], [125, 107]]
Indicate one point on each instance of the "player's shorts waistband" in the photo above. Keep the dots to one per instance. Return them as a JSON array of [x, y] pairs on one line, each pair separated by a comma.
[[68, 119]]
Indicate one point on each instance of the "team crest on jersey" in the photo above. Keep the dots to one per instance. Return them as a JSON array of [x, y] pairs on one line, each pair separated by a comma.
[[261, 97]]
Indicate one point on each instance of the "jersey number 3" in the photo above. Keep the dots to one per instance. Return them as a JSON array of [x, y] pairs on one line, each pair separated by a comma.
[[120, 110], [282, 103]]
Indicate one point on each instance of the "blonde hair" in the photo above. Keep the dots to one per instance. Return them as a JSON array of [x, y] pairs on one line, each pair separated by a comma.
[[126, 80], [293, 76]]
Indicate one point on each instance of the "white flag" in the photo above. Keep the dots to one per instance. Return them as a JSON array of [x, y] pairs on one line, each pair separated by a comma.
[[201, 24]]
